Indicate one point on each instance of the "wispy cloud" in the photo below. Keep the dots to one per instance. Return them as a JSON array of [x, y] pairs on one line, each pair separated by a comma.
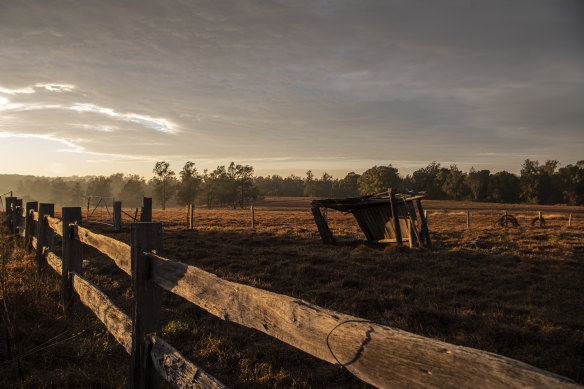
[[157, 124], [32, 89]]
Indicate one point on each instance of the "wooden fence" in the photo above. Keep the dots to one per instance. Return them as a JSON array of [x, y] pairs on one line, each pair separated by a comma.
[[380, 355]]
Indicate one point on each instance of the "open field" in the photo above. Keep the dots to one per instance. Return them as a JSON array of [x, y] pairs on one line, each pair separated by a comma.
[[518, 293]]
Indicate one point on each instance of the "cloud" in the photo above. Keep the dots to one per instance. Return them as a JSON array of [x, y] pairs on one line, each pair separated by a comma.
[[376, 80]]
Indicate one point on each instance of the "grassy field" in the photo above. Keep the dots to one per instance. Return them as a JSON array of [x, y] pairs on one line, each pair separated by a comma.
[[518, 293]]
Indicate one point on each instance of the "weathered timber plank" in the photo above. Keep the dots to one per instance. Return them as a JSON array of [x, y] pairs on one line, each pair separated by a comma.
[[116, 250], [147, 312], [72, 253], [56, 225], [53, 260], [323, 228], [178, 370], [380, 355], [116, 321]]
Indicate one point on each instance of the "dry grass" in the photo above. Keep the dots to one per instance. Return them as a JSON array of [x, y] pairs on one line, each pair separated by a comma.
[[518, 293], [41, 346]]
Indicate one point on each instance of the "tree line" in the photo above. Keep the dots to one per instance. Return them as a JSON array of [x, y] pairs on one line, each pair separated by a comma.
[[235, 185], [537, 183]]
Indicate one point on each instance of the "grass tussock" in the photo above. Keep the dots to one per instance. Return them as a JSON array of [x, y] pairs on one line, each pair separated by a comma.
[[517, 292], [41, 346]]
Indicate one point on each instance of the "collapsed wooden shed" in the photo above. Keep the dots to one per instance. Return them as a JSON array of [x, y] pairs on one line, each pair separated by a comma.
[[387, 217]]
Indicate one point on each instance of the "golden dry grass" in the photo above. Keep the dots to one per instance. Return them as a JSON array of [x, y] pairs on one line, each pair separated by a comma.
[[518, 293]]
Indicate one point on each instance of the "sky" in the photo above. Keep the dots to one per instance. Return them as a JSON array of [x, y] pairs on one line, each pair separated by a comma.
[[98, 87]]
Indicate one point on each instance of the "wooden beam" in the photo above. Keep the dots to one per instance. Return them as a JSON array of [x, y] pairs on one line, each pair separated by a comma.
[[178, 370], [30, 224], [43, 235], [116, 250], [146, 214], [117, 221], [424, 221], [147, 317], [53, 260], [55, 224], [395, 217], [380, 355], [116, 321], [323, 228], [72, 253]]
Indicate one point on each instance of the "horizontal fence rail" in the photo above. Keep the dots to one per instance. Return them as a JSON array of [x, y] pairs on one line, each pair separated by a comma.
[[116, 250], [380, 355]]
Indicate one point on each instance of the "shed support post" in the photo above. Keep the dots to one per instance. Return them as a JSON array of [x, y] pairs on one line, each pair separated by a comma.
[[395, 216], [424, 227], [323, 228]]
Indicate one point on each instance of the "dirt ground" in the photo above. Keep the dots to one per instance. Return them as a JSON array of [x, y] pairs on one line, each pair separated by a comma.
[[517, 292]]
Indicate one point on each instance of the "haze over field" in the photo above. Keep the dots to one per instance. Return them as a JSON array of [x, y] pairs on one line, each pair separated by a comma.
[[336, 86]]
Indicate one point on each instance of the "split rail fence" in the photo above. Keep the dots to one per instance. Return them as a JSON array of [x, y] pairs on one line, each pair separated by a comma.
[[380, 355]]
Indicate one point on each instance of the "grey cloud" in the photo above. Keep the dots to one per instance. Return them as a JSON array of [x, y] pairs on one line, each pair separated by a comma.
[[306, 79]]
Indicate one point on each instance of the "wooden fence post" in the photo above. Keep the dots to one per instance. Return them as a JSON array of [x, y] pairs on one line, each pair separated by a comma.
[[506, 215], [16, 216], [570, 220], [192, 216], [8, 210], [117, 215], [29, 227], [72, 254], [147, 317], [43, 231], [468, 219], [540, 218], [146, 215], [253, 217]]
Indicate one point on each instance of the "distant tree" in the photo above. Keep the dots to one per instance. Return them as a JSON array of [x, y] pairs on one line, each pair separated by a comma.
[[76, 195], [430, 180], [244, 176], [99, 186], [309, 189], [292, 186], [163, 182], [478, 183], [529, 181], [59, 191], [117, 182], [189, 183], [504, 187], [453, 185], [324, 186], [348, 186], [571, 178], [540, 183], [379, 179], [132, 193]]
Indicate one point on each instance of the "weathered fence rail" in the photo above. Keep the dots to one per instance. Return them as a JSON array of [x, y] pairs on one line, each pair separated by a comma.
[[380, 355]]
